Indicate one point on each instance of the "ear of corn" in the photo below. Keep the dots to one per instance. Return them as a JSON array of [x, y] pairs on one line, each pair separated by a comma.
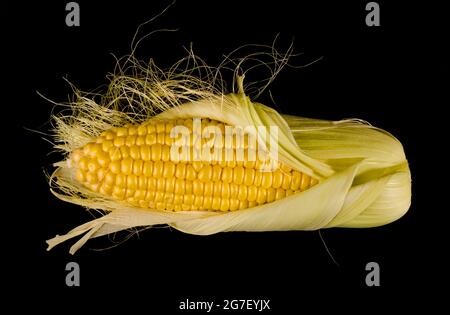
[[328, 174], [134, 165]]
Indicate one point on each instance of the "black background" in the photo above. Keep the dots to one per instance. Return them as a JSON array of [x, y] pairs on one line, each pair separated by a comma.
[[395, 76]]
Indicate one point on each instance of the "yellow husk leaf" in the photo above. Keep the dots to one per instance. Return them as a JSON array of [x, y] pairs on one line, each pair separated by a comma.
[[364, 176]]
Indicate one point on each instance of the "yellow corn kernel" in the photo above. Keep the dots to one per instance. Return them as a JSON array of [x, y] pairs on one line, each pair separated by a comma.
[[277, 179], [103, 158], [227, 175], [147, 168], [142, 183], [189, 187], [190, 172], [121, 180], [135, 152], [150, 139], [271, 192], [83, 163], [137, 167], [156, 152], [249, 176], [217, 171], [208, 188], [124, 151], [238, 175], [120, 132], [114, 154], [296, 180], [242, 194], [225, 191], [80, 175], [126, 166], [130, 140], [286, 184], [106, 145], [261, 196], [142, 130], [205, 173], [305, 183], [198, 201], [140, 140], [179, 186], [115, 166], [234, 204], [170, 184], [119, 141]]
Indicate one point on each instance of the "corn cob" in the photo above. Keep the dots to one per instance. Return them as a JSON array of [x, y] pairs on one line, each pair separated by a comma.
[[134, 164]]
